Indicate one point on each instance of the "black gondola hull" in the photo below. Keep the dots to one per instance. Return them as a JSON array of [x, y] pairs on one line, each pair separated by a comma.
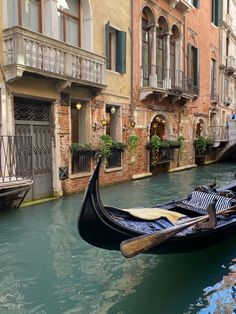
[[97, 227]]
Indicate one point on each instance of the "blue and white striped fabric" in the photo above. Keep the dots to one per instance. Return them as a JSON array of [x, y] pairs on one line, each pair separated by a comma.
[[199, 201]]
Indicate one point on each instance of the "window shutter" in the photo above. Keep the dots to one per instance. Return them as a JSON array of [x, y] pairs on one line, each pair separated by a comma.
[[121, 52], [196, 71], [189, 60], [220, 12], [107, 39]]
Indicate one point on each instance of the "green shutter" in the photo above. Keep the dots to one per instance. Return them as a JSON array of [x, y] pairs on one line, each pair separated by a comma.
[[189, 60], [220, 12], [216, 12], [121, 52], [196, 70], [107, 43]]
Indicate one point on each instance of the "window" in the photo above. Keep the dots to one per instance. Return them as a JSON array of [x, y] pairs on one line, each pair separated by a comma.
[[115, 49], [195, 3], [81, 160], [78, 127], [160, 58], [69, 23], [111, 119], [227, 51], [215, 12], [145, 50], [193, 69], [112, 112], [26, 13], [226, 88], [228, 6], [213, 78]]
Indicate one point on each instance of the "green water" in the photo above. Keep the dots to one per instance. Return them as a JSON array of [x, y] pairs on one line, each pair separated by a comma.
[[47, 268]]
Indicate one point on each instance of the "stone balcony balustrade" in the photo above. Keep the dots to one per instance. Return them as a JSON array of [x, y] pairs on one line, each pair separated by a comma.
[[27, 51], [166, 82]]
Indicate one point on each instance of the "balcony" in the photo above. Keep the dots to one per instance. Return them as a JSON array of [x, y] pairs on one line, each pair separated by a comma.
[[230, 65], [182, 5], [165, 82], [27, 51], [218, 133]]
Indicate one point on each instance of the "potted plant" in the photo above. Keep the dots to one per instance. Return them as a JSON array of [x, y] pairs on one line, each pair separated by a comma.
[[154, 146], [202, 144], [107, 145], [77, 148]]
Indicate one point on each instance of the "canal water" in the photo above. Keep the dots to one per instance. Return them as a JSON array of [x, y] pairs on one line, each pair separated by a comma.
[[47, 268]]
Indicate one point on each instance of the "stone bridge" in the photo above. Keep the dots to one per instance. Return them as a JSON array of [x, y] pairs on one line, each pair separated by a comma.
[[225, 141]]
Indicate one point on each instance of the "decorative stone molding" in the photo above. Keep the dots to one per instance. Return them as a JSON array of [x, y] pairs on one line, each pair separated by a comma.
[[25, 50]]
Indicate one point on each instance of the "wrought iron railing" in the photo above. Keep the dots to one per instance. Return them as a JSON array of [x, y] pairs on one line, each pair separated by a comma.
[[165, 155], [114, 160], [15, 158], [81, 162], [218, 133], [173, 80]]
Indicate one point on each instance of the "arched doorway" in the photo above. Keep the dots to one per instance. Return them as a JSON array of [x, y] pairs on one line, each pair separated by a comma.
[[159, 161], [158, 127], [199, 128]]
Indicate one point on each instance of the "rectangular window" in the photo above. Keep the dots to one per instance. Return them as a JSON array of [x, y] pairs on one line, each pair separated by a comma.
[[195, 3], [226, 88], [12, 13], [111, 119], [160, 60], [213, 78], [115, 49], [26, 13], [193, 69], [69, 23], [215, 10], [112, 113], [228, 6], [81, 160]]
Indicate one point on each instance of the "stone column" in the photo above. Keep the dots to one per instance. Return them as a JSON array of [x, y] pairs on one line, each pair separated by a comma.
[[50, 26], [153, 65], [167, 80]]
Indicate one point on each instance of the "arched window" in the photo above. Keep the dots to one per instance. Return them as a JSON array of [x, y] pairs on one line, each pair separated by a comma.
[[175, 74], [69, 22], [145, 48], [161, 33]]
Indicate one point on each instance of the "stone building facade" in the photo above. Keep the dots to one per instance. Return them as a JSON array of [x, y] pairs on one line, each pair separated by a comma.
[[166, 76], [227, 62], [73, 71], [65, 80]]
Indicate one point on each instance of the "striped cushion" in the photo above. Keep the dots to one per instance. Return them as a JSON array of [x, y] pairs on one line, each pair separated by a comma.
[[200, 201]]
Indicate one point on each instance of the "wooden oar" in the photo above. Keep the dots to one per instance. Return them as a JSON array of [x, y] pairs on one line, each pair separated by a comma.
[[132, 247]]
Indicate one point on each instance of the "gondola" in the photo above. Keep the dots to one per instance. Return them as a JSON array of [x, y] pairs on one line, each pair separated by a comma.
[[13, 193], [108, 226]]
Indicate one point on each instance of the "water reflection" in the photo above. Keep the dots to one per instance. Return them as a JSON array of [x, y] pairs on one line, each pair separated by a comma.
[[47, 268], [221, 297]]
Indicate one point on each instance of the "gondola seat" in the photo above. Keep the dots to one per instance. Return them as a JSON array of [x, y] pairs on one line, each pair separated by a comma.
[[198, 201]]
